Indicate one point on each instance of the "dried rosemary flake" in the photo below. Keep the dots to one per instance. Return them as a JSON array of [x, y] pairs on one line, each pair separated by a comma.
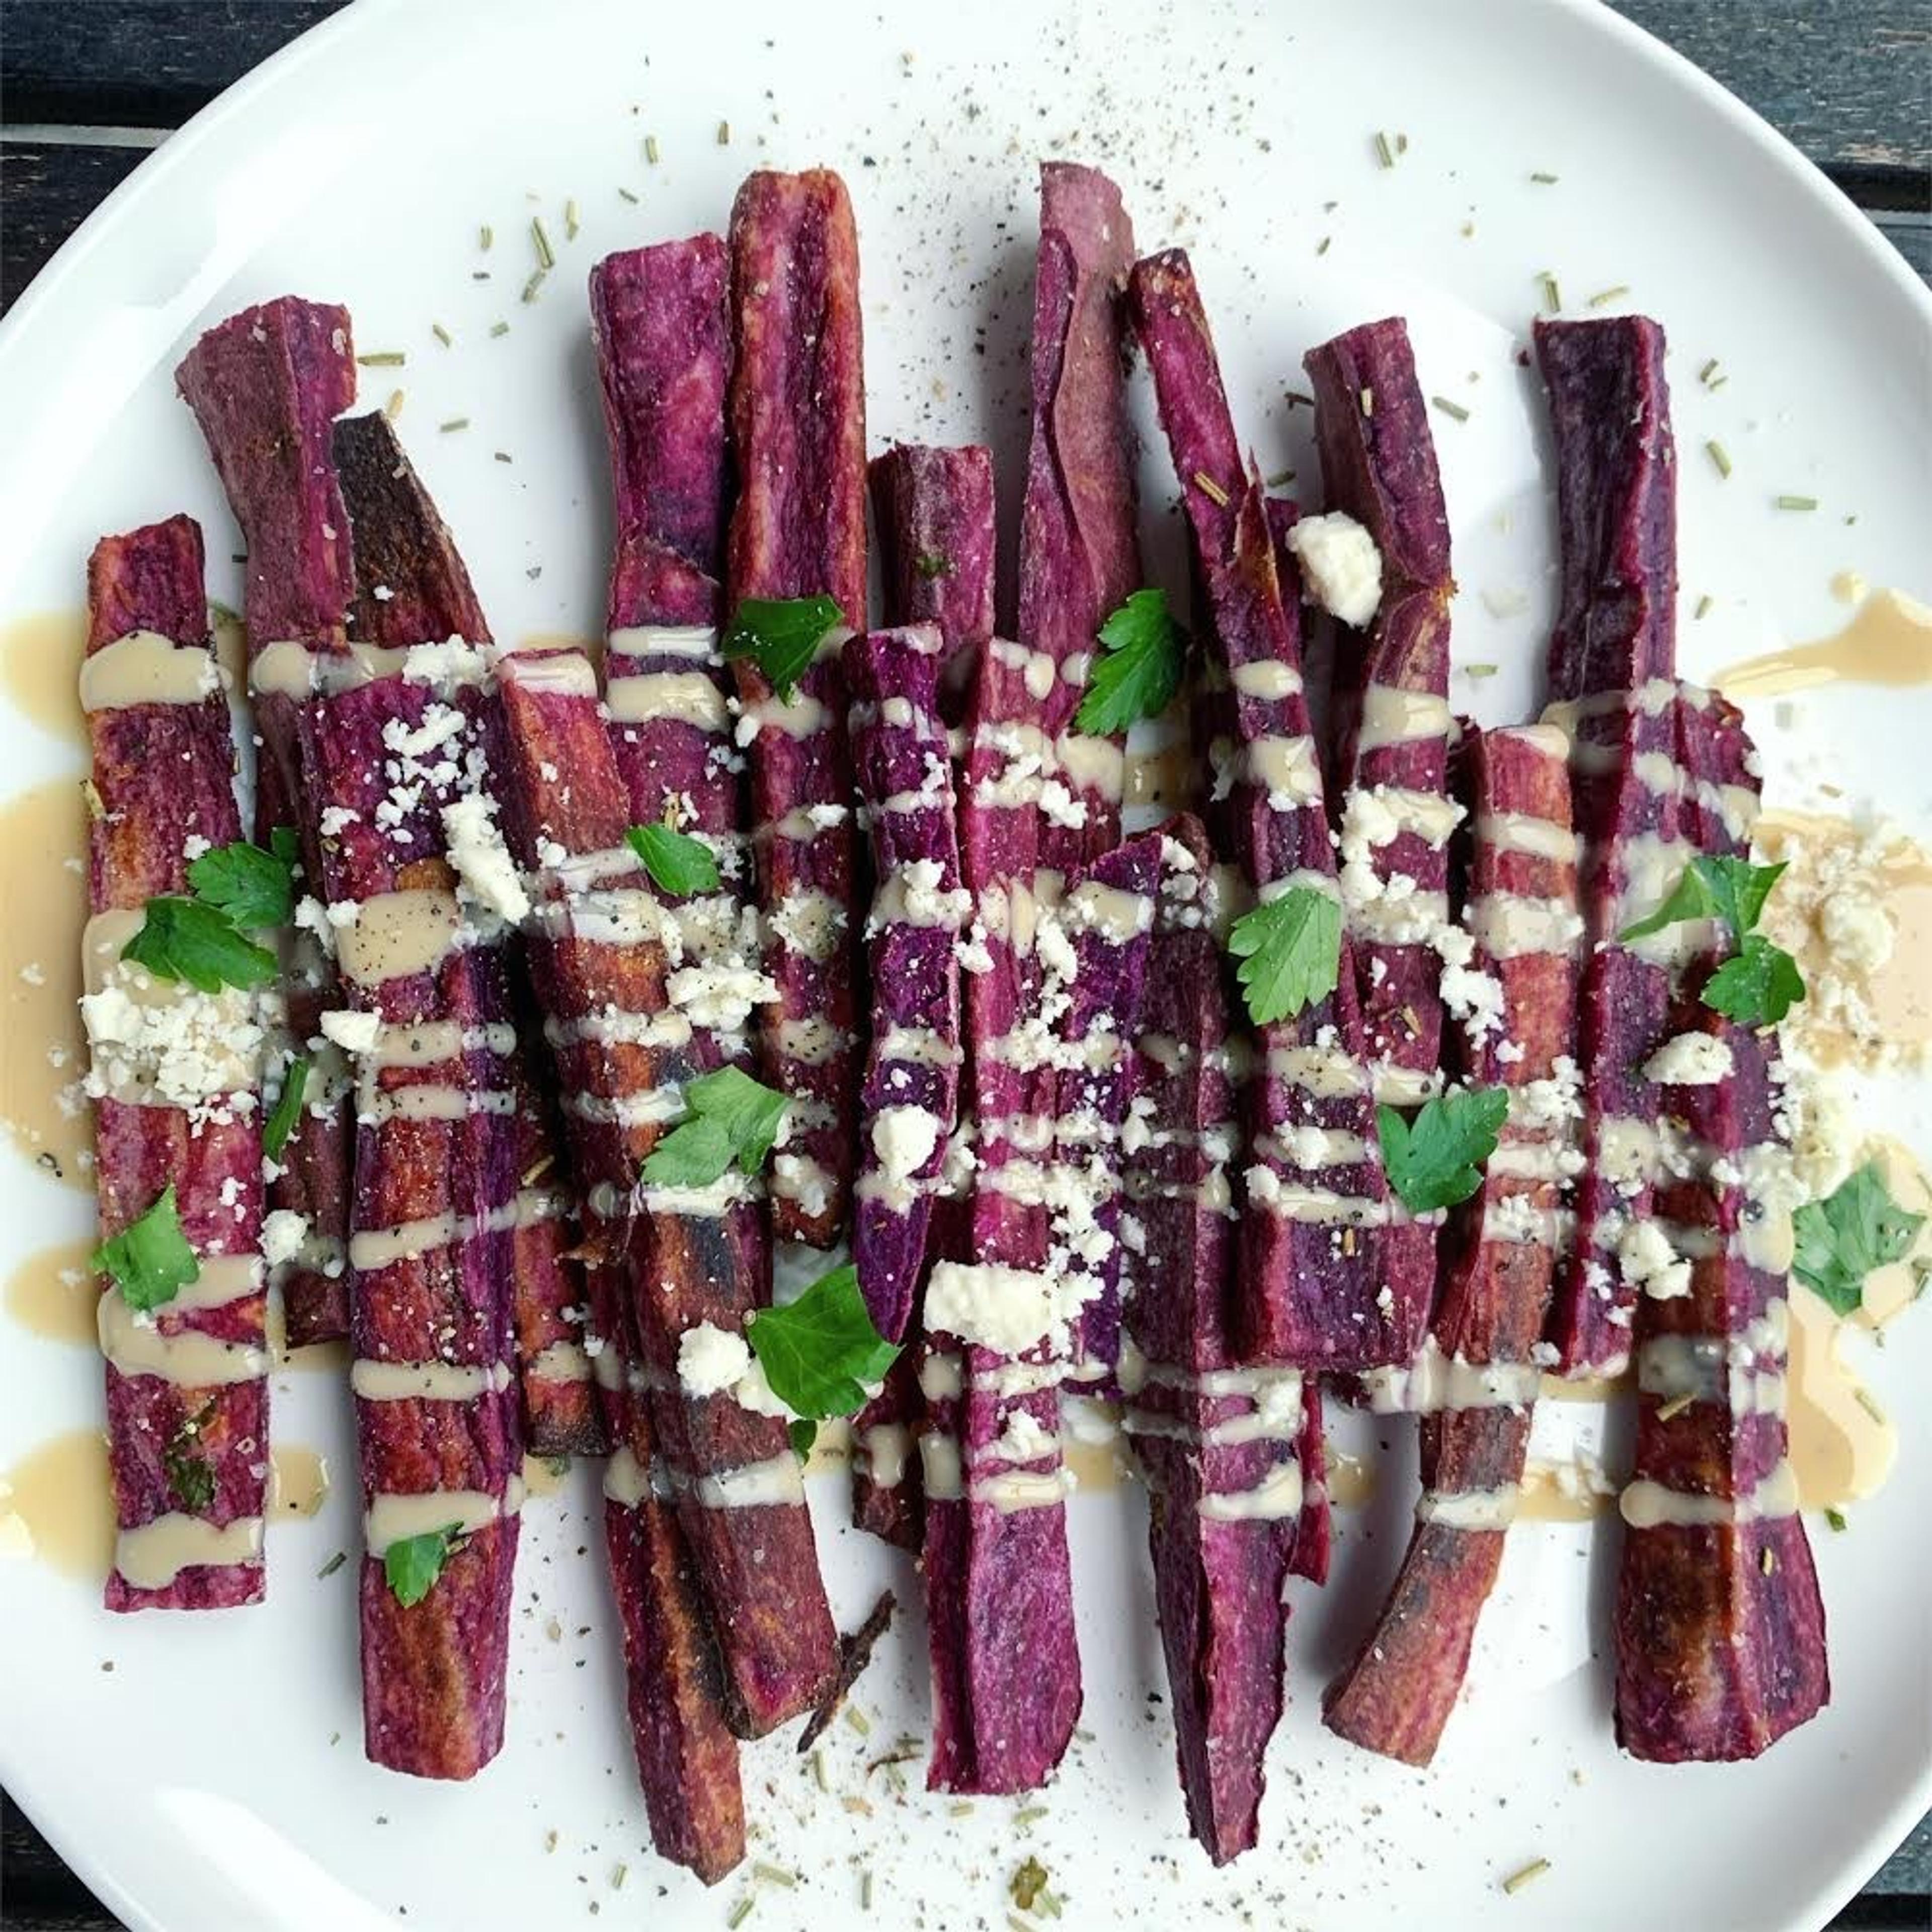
[[1029, 1814], [570, 224], [1719, 455], [1479, 670], [485, 236], [618, 1876], [1543, 180], [627, 195], [1603, 298], [1798, 502], [499, 328], [393, 408], [858, 1719], [1385, 150], [964, 1809], [546, 256], [1709, 369], [1552, 292], [818, 1777], [1866, 1401], [1675, 1406], [1402, 144], [775, 1875], [454, 423], [741, 1911], [1836, 1518], [501, 455], [1450, 408], [858, 1805], [651, 149], [1326, 242], [1211, 489], [383, 358], [441, 335], [1528, 1875], [1704, 607], [1280, 480], [865, 1889], [724, 133], [334, 1564], [1300, 398], [531, 286]]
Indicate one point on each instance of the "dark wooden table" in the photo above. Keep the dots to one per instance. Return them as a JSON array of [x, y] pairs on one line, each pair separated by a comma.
[[89, 87]]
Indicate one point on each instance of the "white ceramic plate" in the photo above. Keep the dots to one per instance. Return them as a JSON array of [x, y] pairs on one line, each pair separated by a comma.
[[214, 1778]]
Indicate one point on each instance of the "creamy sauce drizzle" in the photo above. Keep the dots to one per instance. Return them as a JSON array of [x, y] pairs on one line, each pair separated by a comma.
[[1888, 642], [44, 1304]]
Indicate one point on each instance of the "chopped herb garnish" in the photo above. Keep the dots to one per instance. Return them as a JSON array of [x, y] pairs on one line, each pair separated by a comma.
[[413, 1565], [287, 1111], [627, 194], [651, 149], [1450, 408], [1759, 986], [485, 236], [570, 223], [1720, 456], [728, 1116], [1290, 949], [739, 1912], [1479, 670], [441, 335], [1327, 242], [1516, 1880], [383, 358], [499, 328], [250, 887], [774, 1874], [821, 1354], [1603, 298], [183, 939], [191, 1479], [1836, 1518], [678, 863], [1798, 502], [1543, 180], [149, 1260], [1848, 1236], [1138, 670], [1704, 606], [540, 241], [454, 423], [1437, 1160], [931, 564], [393, 408], [1552, 292], [1385, 150], [530, 287], [724, 133], [781, 635], [334, 1564], [1030, 1881], [1211, 490]]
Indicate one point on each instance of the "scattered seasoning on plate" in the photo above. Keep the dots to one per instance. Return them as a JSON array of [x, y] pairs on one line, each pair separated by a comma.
[[651, 149], [724, 133], [454, 423], [540, 241], [441, 335], [1543, 180], [485, 236], [1720, 456], [1450, 408], [1552, 293], [1530, 1872], [499, 328], [393, 408], [570, 224], [1798, 502], [383, 358], [1703, 609], [1603, 298]]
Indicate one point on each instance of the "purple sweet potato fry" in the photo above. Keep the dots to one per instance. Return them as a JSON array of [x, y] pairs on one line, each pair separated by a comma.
[[797, 420], [933, 508], [162, 776]]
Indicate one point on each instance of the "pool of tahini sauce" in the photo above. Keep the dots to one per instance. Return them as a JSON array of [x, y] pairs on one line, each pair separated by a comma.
[[55, 1502]]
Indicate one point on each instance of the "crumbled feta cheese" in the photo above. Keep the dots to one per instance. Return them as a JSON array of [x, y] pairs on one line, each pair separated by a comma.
[[283, 1231], [353, 1032], [1648, 1262], [486, 874], [904, 1138], [710, 1359], [1341, 567], [1690, 1060]]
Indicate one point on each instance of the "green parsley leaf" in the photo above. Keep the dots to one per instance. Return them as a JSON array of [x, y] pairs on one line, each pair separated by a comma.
[[1760, 983], [782, 634], [820, 1351], [1759, 987], [803, 1435], [1848, 1235], [150, 1260], [254, 888], [1139, 671], [729, 1116], [678, 863], [413, 1565], [281, 1123], [1689, 898], [1290, 949], [1436, 1160], [191, 1481], [182, 939]]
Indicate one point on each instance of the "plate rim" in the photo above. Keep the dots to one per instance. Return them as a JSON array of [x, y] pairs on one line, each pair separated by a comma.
[[153, 175]]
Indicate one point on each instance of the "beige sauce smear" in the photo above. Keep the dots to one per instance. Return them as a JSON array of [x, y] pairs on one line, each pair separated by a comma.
[[1164, 779], [1888, 642], [299, 1480], [1352, 1479], [39, 670], [563, 641], [544, 1475], [40, 937], [52, 1294], [56, 1505], [1857, 1007]]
